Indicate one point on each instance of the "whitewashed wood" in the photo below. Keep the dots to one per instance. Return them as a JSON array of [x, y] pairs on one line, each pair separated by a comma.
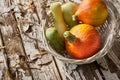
[[2, 62], [12, 41], [108, 75], [78, 72], [31, 40]]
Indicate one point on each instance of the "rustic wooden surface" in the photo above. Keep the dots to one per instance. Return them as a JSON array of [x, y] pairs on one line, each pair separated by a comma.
[[22, 56]]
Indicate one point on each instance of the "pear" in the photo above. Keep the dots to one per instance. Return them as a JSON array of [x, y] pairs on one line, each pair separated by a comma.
[[69, 10]]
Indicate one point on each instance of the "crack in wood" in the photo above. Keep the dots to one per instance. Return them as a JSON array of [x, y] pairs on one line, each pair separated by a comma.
[[102, 75], [6, 61]]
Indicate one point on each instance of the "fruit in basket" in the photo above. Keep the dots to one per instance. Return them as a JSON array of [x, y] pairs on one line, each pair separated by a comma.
[[58, 18], [93, 12], [54, 39], [82, 41], [68, 10]]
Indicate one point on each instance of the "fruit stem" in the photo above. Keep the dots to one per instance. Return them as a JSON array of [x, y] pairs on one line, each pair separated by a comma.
[[69, 36], [74, 17]]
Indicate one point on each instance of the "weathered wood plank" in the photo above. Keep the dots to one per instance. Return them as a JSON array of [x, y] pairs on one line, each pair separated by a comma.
[[109, 69], [79, 72], [3, 67], [11, 39], [42, 66]]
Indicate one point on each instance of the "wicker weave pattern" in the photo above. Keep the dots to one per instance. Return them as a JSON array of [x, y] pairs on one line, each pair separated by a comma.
[[107, 32]]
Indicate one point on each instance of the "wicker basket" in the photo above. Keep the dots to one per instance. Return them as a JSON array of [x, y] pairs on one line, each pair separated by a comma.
[[107, 32]]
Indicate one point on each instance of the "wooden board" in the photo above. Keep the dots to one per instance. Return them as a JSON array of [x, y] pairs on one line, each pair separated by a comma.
[[25, 45]]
